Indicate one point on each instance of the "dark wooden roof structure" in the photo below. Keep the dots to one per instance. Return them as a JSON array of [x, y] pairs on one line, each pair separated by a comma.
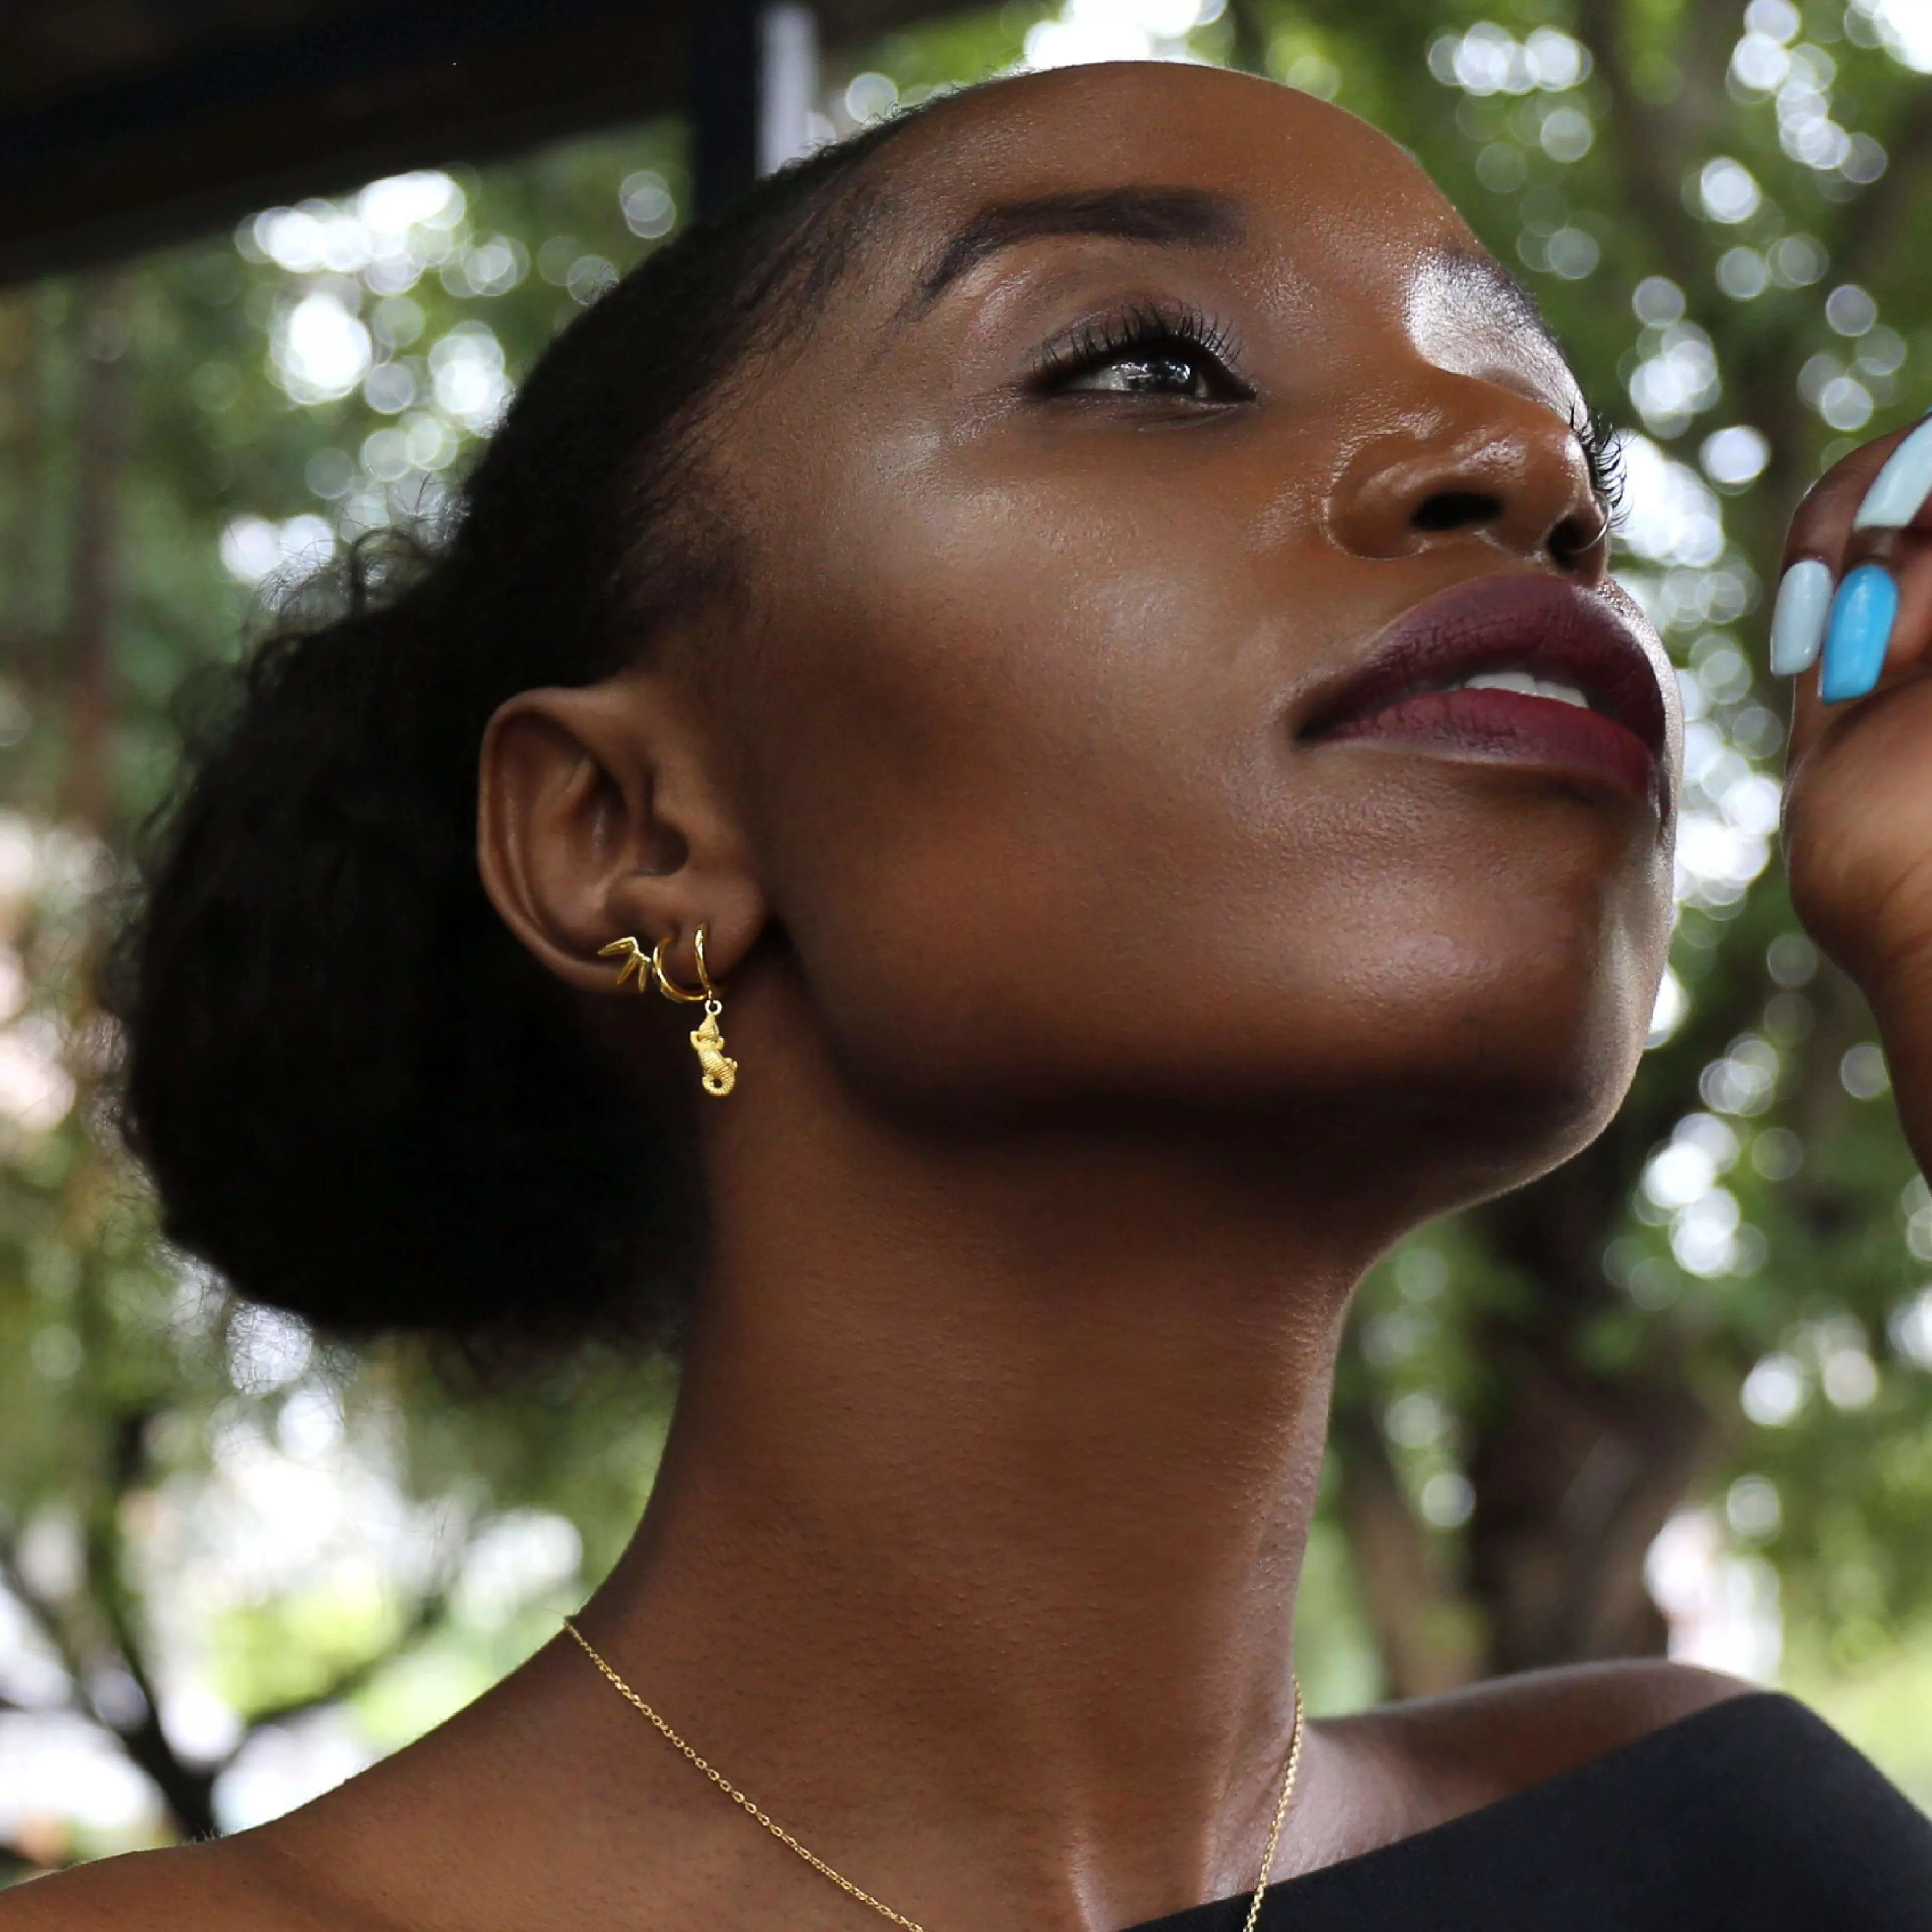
[[127, 123]]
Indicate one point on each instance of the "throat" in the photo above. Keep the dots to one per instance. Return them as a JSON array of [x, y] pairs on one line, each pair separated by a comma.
[[977, 1534]]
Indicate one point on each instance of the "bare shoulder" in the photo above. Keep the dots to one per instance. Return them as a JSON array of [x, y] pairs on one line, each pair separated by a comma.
[[1492, 1739], [239, 1884], [1593, 1708]]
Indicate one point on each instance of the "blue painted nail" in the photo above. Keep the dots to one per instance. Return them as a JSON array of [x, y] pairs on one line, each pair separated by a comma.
[[1899, 490], [1861, 618], [1798, 618]]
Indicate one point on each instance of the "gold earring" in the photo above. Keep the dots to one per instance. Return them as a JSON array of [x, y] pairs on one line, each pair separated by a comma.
[[720, 1072], [636, 960], [667, 985]]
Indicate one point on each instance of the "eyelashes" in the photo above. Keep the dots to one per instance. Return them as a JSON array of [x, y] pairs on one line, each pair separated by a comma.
[[1157, 346], [1159, 340], [1603, 456]]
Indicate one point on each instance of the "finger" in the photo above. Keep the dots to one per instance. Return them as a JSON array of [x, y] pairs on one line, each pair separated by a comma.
[[1821, 527], [1878, 632], [1851, 608], [1865, 637]]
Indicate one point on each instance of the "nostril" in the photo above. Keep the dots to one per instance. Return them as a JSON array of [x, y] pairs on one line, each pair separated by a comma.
[[1455, 510], [1573, 540]]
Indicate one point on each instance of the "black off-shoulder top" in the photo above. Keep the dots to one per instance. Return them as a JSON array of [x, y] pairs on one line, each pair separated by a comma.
[[1751, 1816]]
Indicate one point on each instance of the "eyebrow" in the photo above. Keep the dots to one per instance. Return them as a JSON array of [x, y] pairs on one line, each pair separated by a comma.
[[1197, 217]]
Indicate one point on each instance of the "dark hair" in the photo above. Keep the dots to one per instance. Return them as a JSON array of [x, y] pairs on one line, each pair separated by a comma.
[[359, 1098]]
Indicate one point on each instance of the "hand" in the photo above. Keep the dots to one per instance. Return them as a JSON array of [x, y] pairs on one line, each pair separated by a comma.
[[1858, 811]]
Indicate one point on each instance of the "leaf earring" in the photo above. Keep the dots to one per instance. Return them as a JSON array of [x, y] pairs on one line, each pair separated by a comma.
[[636, 960]]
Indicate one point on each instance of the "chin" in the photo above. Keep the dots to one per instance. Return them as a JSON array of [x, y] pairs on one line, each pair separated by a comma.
[[1517, 1124], [1517, 1090], [1486, 1064]]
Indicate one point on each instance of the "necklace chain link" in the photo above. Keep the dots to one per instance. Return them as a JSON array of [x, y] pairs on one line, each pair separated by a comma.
[[858, 1892]]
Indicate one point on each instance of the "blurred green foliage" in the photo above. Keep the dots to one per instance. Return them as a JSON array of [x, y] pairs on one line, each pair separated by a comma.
[[244, 1563]]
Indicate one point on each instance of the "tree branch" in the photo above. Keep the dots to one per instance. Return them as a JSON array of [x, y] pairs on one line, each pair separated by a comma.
[[39, 1612], [1902, 191], [187, 1790], [1650, 145], [428, 1613], [1248, 51], [16, 1865], [1423, 1625]]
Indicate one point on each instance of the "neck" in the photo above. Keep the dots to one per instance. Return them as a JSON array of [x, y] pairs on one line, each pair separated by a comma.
[[974, 1549]]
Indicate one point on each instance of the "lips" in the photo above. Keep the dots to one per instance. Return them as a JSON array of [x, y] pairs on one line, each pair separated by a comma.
[[1534, 631]]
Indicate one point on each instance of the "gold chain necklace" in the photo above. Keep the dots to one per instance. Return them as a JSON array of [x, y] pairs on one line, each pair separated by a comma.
[[844, 1883]]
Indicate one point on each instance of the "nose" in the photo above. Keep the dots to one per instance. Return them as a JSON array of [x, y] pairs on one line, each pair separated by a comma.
[[1486, 466]]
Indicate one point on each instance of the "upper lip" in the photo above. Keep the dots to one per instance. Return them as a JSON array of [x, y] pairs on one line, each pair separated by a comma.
[[1545, 626]]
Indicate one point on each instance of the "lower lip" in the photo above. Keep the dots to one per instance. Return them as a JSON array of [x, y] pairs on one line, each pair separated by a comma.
[[1513, 728]]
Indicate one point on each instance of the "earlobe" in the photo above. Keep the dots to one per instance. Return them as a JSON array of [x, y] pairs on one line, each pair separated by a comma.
[[596, 818]]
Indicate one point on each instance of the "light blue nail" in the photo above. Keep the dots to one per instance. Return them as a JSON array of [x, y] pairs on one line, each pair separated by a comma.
[[1862, 617], [1899, 490], [1798, 618]]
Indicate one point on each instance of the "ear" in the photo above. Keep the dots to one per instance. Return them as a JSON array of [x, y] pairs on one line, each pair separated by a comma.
[[600, 814]]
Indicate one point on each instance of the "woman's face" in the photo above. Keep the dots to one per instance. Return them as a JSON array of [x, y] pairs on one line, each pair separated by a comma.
[[1083, 760]]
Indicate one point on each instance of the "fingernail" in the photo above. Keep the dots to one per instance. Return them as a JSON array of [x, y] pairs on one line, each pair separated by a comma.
[[1899, 490], [1798, 618], [1862, 616]]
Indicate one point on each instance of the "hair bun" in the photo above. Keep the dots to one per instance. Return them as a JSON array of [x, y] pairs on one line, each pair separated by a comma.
[[360, 1098]]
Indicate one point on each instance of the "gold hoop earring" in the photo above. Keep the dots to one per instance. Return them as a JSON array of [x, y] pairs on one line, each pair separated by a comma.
[[719, 1072], [669, 987]]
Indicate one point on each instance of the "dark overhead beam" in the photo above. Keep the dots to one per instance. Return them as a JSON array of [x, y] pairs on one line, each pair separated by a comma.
[[179, 149], [174, 151], [724, 95]]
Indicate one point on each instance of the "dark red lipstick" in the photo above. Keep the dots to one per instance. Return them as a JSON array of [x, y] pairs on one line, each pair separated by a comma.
[[1406, 690]]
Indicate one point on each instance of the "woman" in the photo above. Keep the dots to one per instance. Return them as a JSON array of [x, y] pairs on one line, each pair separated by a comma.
[[1030, 590]]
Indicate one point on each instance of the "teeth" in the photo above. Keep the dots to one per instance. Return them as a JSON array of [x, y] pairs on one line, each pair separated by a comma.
[[1564, 693], [1521, 681]]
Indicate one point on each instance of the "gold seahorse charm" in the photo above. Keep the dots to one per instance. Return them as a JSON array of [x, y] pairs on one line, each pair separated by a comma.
[[721, 1073]]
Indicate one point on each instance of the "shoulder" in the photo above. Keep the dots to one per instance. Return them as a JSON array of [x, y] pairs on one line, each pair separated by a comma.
[[1631, 1795], [1474, 1746], [238, 1885], [1553, 1719]]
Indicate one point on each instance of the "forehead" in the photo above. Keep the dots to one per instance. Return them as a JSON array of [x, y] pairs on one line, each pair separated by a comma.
[[1314, 201], [1298, 169]]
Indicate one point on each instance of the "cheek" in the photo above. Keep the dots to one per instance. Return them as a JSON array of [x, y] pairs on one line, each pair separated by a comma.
[[1008, 778], [1482, 932], [1034, 822]]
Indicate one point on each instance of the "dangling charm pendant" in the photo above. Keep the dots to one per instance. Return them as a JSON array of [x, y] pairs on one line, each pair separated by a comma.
[[720, 1072]]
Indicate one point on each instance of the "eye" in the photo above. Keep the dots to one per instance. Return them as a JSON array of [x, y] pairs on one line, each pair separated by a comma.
[[1179, 356], [1175, 371]]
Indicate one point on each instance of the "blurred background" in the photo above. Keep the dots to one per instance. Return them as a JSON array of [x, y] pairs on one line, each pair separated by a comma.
[[1677, 1397]]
